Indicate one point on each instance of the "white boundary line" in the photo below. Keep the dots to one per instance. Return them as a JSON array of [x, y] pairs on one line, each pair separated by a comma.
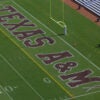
[[58, 36], [6, 93], [21, 76]]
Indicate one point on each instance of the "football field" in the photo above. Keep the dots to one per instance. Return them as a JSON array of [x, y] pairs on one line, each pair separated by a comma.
[[39, 62]]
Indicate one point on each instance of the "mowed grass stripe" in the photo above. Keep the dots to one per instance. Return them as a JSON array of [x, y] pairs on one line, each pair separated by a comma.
[[38, 65]]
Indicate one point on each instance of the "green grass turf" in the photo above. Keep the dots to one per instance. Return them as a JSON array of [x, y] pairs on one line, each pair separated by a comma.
[[82, 35]]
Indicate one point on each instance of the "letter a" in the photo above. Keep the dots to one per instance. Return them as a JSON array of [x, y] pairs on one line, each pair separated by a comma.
[[50, 58]]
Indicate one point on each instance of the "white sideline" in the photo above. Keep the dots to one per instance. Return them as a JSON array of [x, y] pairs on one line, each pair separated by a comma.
[[58, 37], [11, 66]]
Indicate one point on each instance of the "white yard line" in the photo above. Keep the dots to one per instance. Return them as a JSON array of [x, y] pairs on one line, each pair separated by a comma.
[[6, 93], [11, 66], [58, 37]]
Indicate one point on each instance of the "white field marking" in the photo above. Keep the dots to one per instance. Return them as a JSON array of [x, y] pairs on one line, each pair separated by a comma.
[[84, 95], [58, 36], [21, 77], [46, 80], [6, 93], [1, 92], [91, 88], [9, 88]]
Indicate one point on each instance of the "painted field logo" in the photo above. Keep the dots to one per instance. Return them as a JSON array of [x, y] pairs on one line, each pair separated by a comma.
[[77, 78], [22, 23], [65, 64]]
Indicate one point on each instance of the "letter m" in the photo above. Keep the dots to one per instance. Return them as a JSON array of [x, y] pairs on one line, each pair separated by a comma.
[[80, 78]]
